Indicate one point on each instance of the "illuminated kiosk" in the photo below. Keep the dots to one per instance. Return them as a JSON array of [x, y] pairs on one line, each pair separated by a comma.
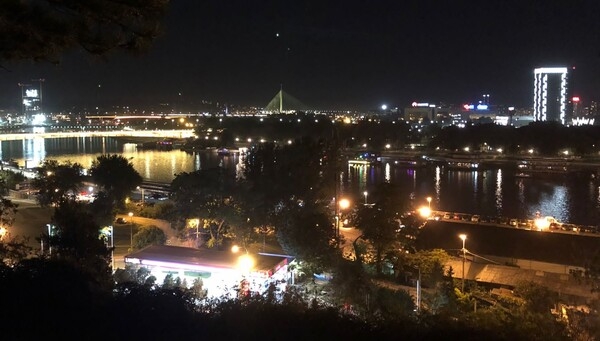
[[550, 94], [219, 271]]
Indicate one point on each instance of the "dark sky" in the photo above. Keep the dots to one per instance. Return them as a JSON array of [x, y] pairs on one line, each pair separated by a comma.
[[335, 54]]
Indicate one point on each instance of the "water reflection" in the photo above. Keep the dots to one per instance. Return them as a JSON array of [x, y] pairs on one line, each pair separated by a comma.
[[491, 192], [437, 181], [498, 191], [388, 175]]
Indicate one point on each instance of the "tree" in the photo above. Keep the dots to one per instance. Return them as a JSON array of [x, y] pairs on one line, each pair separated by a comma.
[[116, 177], [9, 180], [42, 30], [132, 274], [430, 263], [288, 173], [211, 196], [307, 233], [56, 181], [379, 222], [151, 235], [103, 209], [14, 250], [8, 210], [75, 238], [538, 299]]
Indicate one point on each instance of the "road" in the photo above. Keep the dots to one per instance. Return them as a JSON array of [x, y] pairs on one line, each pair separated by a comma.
[[124, 232], [30, 221], [349, 235]]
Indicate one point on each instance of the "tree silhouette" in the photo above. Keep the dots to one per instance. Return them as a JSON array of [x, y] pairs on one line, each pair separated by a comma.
[[116, 177], [42, 30], [56, 181]]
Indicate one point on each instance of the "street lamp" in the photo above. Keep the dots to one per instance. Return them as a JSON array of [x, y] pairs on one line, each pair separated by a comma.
[[463, 237], [130, 230], [342, 205], [365, 194], [142, 190], [429, 202], [246, 263], [3, 232]]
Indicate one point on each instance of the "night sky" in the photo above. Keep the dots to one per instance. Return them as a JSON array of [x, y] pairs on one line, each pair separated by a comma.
[[334, 55]]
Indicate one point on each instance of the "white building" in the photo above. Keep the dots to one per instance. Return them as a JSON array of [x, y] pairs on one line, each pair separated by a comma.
[[220, 271], [550, 91]]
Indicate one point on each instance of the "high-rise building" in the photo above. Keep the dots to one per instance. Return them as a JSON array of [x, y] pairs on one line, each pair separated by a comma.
[[31, 100], [550, 93]]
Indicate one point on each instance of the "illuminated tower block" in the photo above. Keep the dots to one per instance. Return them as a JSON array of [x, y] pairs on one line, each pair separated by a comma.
[[550, 92]]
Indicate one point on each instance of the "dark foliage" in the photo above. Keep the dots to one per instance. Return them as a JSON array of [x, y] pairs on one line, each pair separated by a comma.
[[56, 181], [42, 30], [116, 177]]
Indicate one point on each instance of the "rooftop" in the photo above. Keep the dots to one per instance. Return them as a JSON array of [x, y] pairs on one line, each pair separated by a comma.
[[203, 257]]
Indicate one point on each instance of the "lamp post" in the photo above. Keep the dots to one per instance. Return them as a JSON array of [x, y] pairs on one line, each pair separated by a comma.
[[429, 202], [112, 247], [463, 237], [342, 205], [130, 230], [365, 194], [142, 190]]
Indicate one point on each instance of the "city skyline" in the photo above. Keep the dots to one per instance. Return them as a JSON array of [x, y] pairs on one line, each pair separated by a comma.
[[338, 55]]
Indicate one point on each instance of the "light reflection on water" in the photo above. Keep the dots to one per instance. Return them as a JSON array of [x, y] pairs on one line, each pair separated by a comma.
[[490, 192]]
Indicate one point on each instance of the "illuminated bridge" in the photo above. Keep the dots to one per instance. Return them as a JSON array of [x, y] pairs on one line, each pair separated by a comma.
[[180, 133]]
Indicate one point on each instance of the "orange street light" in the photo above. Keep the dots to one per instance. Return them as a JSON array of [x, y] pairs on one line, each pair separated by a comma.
[[130, 230], [463, 237], [245, 263], [425, 212], [344, 204]]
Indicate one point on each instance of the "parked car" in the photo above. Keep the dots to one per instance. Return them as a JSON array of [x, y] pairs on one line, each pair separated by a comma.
[[120, 221], [475, 218]]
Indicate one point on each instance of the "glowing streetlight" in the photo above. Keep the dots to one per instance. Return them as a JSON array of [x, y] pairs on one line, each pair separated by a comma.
[[425, 212], [344, 204], [365, 193], [3, 232], [463, 237], [245, 263], [429, 202], [130, 214], [142, 190], [235, 249]]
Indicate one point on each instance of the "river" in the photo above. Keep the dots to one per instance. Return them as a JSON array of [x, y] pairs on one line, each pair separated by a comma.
[[491, 192]]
